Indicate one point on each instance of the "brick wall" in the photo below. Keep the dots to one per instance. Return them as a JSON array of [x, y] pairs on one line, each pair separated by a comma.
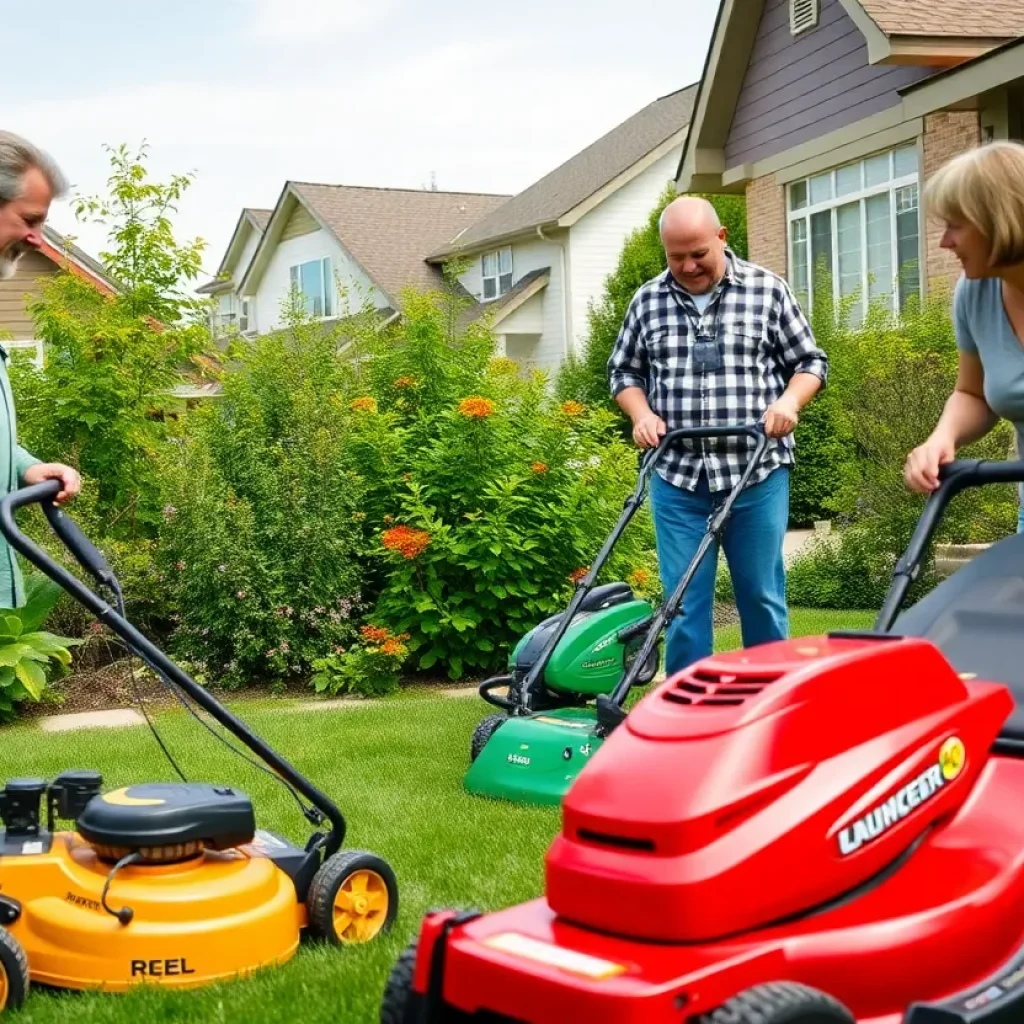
[[766, 224], [946, 135]]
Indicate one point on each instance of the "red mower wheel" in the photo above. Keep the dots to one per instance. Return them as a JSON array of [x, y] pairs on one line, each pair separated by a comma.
[[781, 1002], [398, 992]]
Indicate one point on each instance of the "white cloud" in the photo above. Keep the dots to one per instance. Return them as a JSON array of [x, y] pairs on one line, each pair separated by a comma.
[[470, 110]]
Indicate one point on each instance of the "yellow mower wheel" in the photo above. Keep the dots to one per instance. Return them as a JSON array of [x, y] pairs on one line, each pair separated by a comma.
[[353, 898], [13, 972]]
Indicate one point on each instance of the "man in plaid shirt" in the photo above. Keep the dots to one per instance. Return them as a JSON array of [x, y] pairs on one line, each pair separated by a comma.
[[714, 341]]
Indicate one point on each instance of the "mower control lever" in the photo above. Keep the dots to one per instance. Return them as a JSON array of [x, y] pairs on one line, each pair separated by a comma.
[[953, 478]]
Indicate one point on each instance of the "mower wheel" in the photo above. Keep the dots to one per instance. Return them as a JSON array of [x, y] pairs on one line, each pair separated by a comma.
[[395, 1003], [13, 972], [483, 732], [352, 898], [782, 1002]]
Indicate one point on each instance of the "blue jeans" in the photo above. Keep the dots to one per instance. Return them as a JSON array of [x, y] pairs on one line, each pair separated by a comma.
[[752, 541]]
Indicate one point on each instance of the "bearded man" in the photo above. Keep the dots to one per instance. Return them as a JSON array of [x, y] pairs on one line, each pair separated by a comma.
[[29, 182]]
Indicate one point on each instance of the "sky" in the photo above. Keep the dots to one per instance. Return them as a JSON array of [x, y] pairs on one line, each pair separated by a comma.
[[246, 94]]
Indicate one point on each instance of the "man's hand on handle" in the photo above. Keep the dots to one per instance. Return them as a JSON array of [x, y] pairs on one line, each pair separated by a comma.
[[55, 471], [648, 430]]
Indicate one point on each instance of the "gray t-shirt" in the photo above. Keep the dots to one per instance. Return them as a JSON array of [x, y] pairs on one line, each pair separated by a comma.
[[983, 328]]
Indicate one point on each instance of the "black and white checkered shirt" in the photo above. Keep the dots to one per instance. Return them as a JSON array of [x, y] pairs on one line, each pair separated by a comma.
[[764, 339]]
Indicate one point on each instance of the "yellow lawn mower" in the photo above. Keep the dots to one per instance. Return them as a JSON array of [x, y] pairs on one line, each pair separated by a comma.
[[167, 883]]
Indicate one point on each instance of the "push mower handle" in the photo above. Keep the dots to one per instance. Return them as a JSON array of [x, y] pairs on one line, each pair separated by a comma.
[[89, 556], [70, 533], [954, 477], [653, 455]]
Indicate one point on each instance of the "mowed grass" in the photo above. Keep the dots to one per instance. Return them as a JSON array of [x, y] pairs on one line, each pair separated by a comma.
[[395, 769]]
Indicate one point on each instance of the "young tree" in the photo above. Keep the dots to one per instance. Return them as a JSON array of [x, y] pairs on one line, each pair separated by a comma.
[[110, 361]]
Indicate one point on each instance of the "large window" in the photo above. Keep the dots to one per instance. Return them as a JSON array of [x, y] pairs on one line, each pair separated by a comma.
[[316, 283], [860, 223], [496, 270]]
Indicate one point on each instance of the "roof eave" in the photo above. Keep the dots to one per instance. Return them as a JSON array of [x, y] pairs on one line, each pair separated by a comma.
[[483, 245], [718, 92]]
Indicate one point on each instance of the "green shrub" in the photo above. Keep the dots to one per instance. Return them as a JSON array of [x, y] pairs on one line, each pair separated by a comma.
[[262, 536], [27, 652], [370, 668]]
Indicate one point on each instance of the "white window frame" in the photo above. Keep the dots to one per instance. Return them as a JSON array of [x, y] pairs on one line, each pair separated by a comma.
[[799, 22], [23, 343], [498, 276], [890, 187], [243, 315], [326, 280]]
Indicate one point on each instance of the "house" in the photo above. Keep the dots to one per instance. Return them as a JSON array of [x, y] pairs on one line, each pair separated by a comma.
[[534, 261], [537, 261], [229, 308], [341, 246], [830, 115], [17, 329]]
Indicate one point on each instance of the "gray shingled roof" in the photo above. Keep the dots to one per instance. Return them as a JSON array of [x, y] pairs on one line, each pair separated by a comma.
[[62, 244], [580, 177], [391, 231], [993, 19], [262, 217]]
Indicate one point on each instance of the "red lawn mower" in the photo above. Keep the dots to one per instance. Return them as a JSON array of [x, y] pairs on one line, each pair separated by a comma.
[[826, 830]]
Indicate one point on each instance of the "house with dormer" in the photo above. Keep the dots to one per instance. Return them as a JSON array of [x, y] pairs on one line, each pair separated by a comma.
[[830, 116]]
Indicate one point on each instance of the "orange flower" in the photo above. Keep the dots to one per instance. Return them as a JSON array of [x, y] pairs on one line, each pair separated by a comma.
[[407, 541], [539, 467], [374, 634], [571, 408], [639, 578], [405, 382], [393, 648], [365, 404], [476, 407], [577, 574]]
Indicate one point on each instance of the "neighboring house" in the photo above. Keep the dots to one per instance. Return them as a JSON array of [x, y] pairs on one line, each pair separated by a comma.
[[831, 114], [341, 246], [229, 308], [535, 260], [17, 329], [540, 259]]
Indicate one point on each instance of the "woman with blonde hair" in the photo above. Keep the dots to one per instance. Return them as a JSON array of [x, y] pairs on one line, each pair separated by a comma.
[[979, 196]]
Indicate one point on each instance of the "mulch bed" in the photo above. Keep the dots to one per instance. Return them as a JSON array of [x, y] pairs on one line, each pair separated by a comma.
[[104, 679]]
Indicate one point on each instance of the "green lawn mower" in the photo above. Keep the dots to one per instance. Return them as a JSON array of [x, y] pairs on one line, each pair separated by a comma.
[[569, 677]]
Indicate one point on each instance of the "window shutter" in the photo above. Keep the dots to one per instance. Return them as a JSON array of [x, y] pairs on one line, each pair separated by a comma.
[[803, 14]]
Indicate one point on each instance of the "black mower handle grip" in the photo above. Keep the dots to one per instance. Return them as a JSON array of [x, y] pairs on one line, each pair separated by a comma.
[[70, 533], [954, 477]]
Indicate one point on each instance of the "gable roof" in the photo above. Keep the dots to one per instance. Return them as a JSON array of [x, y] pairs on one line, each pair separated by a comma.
[[249, 220], [387, 231], [992, 19], [927, 33], [76, 261], [552, 200]]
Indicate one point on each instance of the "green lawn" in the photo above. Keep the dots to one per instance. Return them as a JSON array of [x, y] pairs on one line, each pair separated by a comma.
[[395, 769]]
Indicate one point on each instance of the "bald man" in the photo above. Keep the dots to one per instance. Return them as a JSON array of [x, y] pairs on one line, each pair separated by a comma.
[[712, 341]]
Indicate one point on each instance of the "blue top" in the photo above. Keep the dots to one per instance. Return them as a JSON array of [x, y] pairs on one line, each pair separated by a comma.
[[983, 328]]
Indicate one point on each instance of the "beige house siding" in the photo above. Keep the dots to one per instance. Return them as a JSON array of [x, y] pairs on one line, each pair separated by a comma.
[[300, 223], [15, 319], [766, 224], [946, 135]]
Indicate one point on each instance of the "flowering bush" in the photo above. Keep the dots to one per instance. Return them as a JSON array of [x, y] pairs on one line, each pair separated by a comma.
[[485, 497], [370, 668]]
